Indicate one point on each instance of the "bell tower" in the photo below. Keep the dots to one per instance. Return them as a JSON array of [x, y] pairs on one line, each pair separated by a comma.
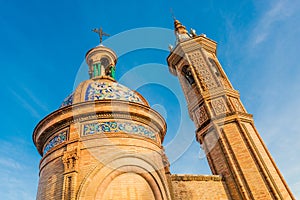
[[233, 147]]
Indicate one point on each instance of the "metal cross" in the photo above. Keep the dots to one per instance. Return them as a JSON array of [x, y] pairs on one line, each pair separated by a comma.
[[100, 33]]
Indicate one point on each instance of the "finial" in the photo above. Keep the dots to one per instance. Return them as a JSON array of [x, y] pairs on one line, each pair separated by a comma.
[[193, 32], [100, 33]]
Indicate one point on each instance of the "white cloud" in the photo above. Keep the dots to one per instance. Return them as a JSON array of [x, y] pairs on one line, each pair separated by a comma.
[[296, 188], [278, 11], [18, 171], [9, 163], [35, 100], [25, 104]]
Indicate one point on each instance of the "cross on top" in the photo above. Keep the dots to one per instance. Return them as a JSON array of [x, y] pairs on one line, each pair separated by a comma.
[[100, 33]]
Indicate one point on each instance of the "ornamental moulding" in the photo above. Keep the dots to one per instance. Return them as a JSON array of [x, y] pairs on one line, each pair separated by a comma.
[[43, 132], [184, 177]]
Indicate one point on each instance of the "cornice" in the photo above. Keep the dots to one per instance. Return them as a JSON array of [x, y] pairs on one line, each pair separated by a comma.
[[190, 177], [103, 109]]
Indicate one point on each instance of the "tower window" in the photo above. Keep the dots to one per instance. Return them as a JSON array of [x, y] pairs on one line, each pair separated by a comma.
[[104, 62], [110, 71], [214, 67], [186, 71]]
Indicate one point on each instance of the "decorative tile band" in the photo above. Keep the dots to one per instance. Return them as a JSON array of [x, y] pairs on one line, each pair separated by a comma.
[[67, 101], [58, 139], [110, 90], [127, 127]]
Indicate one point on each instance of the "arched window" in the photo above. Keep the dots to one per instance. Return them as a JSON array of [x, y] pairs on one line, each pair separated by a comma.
[[186, 71], [214, 67], [110, 71], [104, 62]]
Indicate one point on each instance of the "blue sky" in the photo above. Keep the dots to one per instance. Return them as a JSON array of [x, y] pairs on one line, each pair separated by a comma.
[[43, 44]]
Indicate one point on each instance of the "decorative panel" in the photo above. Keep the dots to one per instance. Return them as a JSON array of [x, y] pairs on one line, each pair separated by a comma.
[[113, 126], [206, 78], [59, 138], [70, 160], [201, 115], [236, 104], [219, 106], [110, 90]]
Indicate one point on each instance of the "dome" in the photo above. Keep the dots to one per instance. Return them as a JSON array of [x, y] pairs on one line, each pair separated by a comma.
[[103, 88], [102, 85]]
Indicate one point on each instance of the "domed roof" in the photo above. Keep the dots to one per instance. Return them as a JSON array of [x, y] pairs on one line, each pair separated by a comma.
[[102, 88]]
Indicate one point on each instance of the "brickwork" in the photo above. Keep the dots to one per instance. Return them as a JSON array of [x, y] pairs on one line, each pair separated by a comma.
[[218, 163], [246, 167], [92, 166], [133, 186], [233, 147], [120, 156], [276, 180], [51, 181], [111, 148], [195, 187]]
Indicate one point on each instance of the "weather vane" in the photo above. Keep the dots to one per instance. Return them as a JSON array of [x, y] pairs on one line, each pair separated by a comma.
[[100, 33]]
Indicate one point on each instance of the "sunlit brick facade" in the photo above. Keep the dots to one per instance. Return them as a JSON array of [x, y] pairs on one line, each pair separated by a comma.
[[105, 141]]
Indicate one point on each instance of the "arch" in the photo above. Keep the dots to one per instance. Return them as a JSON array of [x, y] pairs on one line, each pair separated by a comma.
[[96, 182], [105, 61], [138, 171], [128, 186]]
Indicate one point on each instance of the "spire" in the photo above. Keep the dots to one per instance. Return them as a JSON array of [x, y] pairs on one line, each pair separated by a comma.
[[179, 28], [180, 31]]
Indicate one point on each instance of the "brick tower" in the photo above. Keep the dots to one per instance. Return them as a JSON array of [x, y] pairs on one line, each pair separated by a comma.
[[233, 147], [104, 142]]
